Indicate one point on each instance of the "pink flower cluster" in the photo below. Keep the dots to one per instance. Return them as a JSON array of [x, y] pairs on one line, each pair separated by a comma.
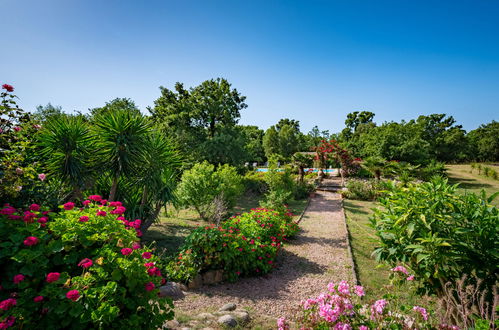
[[402, 270]]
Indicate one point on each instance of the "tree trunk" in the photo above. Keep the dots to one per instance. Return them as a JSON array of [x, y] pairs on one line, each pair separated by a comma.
[[114, 187], [301, 173], [149, 221]]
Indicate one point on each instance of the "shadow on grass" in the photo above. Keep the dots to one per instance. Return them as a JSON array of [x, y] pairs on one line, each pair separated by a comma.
[[168, 237], [469, 183]]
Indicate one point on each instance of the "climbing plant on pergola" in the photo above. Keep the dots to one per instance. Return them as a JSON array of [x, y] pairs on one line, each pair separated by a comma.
[[332, 149]]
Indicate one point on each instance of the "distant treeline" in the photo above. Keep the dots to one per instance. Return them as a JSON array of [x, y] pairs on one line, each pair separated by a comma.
[[202, 122]]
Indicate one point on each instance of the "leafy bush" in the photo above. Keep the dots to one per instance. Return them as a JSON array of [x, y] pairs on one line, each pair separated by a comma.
[[201, 185], [280, 184], [244, 245], [431, 170], [81, 268], [254, 183], [302, 190], [364, 190], [440, 234], [340, 307]]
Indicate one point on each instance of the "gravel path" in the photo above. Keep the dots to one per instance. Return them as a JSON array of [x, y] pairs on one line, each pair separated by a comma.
[[317, 256]]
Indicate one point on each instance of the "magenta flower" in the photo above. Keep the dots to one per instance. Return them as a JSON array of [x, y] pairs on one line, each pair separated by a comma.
[[7, 304], [42, 176], [149, 286], [69, 206], [85, 263], [115, 204], [95, 198], [101, 213], [52, 277], [34, 207], [18, 278], [38, 299], [379, 306], [344, 288], [126, 251], [136, 245], [83, 218], [401, 269], [86, 202], [73, 295], [282, 324], [30, 241], [410, 278]]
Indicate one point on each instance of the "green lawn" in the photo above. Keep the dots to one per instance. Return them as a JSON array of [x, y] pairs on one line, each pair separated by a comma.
[[172, 229], [473, 182]]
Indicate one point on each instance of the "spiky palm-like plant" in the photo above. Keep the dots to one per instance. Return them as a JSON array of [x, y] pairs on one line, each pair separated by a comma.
[[120, 138], [65, 149], [375, 165]]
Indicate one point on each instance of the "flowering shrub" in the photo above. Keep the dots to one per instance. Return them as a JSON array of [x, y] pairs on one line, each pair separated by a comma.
[[80, 268], [340, 308], [244, 245]]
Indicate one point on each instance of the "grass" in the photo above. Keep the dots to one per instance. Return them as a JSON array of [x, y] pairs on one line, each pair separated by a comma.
[[471, 181], [172, 229]]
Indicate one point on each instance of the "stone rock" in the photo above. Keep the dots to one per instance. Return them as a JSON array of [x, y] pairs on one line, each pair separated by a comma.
[[209, 277], [228, 307], [219, 276], [228, 321], [172, 324], [172, 290], [242, 317], [205, 316], [196, 282]]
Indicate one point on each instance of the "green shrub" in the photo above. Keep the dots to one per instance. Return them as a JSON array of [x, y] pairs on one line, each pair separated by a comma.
[[302, 190], [364, 190], [254, 183], [486, 171], [430, 170], [281, 186], [244, 245], [202, 185], [82, 268], [440, 234]]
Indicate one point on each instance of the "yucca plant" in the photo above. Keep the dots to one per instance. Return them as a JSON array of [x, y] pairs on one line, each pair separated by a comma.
[[120, 138], [479, 168], [65, 148], [486, 171]]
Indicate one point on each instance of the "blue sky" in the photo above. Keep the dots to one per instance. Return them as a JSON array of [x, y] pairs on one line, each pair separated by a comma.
[[314, 61]]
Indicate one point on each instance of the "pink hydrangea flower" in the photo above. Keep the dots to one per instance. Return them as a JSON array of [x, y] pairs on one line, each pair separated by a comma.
[[52, 277], [359, 291], [101, 213], [282, 323], [69, 206], [85, 263], [344, 288], [38, 299], [115, 204], [34, 207], [8, 322], [379, 306], [18, 278], [73, 295], [126, 251], [422, 311], [363, 327], [136, 245], [86, 202], [30, 241], [149, 286], [147, 255], [401, 269], [331, 288]]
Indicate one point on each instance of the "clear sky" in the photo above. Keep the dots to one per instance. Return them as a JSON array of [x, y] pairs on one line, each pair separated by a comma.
[[314, 61]]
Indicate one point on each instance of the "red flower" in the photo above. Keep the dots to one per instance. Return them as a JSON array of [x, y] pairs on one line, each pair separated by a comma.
[[150, 286], [31, 240], [136, 245], [147, 255], [52, 277], [87, 202], [126, 251], [34, 207], [69, 206], [149, 264], [95, 198], [7, 304], [73, 295], [38, 299], [7, 87], [115, 204], [101, 213], [85, 263], [18, 278], [83, 218]]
